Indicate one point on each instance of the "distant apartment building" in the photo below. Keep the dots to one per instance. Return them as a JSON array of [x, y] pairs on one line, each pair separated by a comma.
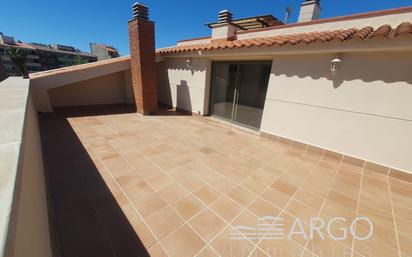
[[103, 52], [40, 57]]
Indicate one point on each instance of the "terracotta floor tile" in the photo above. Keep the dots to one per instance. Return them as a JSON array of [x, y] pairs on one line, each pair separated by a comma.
[[163, 222], [309, 199], [236, 176], [266, 178], [376, 215], [262, 208], [287, 222], [373, 247], [345, 189], [226, 208], [173, 193], [336, 227], [401, 195], [207, 224], [291, 178], [191, 182], [225, 246], [380, 233], [131, 214], [278, 247], [253, 185], [206, 174], [333, 210], [258, 253], [160, 181], [319, 190], [404, 226], [328, 247], [241, 196], [207, 252], [302, 211], [157, 251], [246, 218], [139, 190], [187, 207], [129, 180], [149, 204], [144, 234], [275, 197], [183, 242], [284, 187], [374, 201], [223, 184], [120, 197], [342, 200], [207, 194], [405, 244]]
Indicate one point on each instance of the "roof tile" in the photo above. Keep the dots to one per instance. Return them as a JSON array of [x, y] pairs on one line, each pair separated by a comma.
[[365, 33]]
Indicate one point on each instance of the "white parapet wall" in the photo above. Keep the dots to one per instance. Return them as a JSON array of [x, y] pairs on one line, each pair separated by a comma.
[[24, 224]]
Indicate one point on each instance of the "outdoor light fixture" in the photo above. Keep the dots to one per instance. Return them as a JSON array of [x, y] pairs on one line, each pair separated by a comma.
[[189, 62], [335, 65]]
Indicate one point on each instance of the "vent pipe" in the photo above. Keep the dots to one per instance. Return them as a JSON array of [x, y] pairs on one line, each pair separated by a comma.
[[288, 11]]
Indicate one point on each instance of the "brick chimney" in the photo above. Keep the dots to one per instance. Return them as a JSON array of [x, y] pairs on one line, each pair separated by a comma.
[[309, 10], [224, 30], [143, 60]]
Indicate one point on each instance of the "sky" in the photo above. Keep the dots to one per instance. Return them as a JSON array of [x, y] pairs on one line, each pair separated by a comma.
[[79, 22]]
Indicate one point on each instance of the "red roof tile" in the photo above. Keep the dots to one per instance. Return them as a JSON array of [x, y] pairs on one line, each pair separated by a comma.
[[365, 33]]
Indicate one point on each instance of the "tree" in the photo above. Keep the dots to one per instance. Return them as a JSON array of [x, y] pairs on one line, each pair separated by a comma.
[[18, 57]]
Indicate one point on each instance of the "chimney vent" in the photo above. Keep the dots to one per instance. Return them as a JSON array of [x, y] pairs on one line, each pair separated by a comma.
[[140, 11], [225, 16], [309, 10]]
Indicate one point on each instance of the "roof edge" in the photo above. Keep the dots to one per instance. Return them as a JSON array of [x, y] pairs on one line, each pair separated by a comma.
[[192, 39], [73, 68]]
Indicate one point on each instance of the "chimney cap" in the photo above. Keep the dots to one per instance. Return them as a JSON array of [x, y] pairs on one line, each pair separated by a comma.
[[139, 3], [225, 11], [225, 16], [140, 11], [311, 1]]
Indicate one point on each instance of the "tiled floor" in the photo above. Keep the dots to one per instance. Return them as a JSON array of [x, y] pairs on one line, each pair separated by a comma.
[[126, 185]]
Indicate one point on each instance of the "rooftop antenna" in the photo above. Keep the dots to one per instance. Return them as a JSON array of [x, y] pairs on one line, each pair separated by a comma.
[[288, 10]]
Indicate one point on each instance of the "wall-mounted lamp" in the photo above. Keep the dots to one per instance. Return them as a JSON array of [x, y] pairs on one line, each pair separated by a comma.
[[189, 63], [335, 65]]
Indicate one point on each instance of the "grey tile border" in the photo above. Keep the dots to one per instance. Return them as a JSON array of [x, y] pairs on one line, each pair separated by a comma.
[[370, 166]]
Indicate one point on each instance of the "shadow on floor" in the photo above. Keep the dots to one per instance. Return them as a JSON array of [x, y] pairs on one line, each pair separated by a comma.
[[166, 110], [86, 218]]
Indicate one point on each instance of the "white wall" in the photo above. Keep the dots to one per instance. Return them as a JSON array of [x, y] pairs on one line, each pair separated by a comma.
[[374, 21], [182, 85], [107, 89], [365, 111], [42, 82]]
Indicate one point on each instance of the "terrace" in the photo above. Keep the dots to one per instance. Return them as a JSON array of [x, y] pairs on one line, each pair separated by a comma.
[[123, 184], [283, 140]]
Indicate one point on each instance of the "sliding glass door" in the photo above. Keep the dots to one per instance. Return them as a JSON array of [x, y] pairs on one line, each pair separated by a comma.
[[239, 91]]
